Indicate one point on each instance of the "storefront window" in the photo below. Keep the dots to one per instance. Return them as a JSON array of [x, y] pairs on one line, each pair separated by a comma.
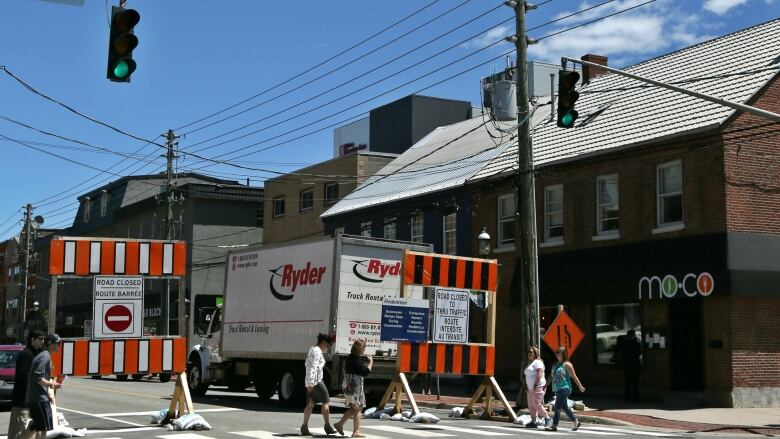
[[612, 324]]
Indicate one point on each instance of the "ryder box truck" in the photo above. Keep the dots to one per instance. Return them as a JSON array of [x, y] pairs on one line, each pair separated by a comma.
[[277, 298]]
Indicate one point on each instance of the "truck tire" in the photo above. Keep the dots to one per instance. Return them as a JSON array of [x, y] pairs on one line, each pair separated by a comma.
[[138, 376], [195, 377], [292, 391], [121, 377], [265, 388], [165, 377]]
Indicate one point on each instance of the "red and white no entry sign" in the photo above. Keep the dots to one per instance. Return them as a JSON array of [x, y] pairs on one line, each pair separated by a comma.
[[118, 318]]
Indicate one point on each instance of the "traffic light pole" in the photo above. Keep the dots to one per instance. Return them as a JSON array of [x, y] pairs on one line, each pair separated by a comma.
[[525, 215], [726, 103]]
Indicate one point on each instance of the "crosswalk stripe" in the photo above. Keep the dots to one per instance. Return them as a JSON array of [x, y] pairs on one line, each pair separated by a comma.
[[256, 434], [582, 430], [184, 436], [626, 431], [469, 430], [423, 432]]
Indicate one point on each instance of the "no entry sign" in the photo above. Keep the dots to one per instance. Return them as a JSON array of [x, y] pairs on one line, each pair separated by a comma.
[[118, 307], [118, 318]]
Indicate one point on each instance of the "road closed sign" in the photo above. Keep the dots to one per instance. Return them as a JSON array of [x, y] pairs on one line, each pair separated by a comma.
[[118, 307], [451, 316]]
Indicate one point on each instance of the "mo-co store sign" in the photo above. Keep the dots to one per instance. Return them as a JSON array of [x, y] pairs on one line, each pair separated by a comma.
[[668, 286]]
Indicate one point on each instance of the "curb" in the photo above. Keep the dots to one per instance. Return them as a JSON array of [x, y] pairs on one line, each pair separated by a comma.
[[586, 419]]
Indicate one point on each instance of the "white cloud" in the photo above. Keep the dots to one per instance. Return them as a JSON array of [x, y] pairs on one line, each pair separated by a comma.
[[489, 37], [629, 37], [720, 7]]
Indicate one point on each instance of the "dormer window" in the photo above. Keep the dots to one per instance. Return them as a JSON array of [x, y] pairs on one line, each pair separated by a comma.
[[104, 200]]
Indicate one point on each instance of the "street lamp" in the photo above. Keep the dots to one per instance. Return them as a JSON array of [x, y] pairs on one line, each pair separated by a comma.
[[484, 242]]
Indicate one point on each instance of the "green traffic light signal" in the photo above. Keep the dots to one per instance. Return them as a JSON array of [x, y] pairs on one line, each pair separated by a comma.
[[122, 41], [567, 96]]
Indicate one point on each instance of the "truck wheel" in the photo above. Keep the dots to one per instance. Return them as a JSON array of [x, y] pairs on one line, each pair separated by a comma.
[[137, 376], [121, 377], [238, 384], [195, 377], [292, 392], [165, 377], [265, 387]]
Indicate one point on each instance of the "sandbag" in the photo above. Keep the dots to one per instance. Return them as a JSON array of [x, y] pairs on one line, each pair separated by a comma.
[[424, 418]]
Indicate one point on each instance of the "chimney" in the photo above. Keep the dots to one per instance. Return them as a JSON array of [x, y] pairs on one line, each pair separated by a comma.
[[589, 72]]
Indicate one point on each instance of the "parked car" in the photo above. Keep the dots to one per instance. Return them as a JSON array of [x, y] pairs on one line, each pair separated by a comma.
[[8, 356]]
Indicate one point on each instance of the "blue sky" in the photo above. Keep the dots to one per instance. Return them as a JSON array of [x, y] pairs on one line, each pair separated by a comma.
[[196, 58]]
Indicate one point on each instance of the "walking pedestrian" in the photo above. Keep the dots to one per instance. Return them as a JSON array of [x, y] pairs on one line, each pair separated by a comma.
[[632, 366], [20, 414], [316, 390], [355, 398], [561, 377], [39, 383], [535, 383]]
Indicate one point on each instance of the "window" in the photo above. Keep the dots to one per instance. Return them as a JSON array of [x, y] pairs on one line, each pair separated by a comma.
[[607, 204], [104, 199], [306, 199], [612, 324], [417, 227], [450, 243], [86, 206], [389, 232], [331, 193], [278, 207], [553, 213], [506, 220], [670, 197], [365, 229]]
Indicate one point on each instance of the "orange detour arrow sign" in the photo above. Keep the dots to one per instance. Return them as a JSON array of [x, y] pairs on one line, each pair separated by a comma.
[[564, 332]]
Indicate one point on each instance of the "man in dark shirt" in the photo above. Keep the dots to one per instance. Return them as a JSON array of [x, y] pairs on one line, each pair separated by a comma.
[[38, 384], [20, 414], [632, 351]]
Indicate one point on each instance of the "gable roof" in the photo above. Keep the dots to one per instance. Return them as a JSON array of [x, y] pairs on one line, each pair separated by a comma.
[[733, 67], [443, 159], [615, 112]]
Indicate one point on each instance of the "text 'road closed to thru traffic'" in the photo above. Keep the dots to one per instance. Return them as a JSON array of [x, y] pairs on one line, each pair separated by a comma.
[[451, 316], [118, 305]]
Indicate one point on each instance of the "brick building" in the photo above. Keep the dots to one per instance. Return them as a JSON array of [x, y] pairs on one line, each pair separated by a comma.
[[657, 212]]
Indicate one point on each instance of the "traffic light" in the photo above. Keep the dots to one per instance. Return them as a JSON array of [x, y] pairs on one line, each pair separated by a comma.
[[121, 43], [567, 96]]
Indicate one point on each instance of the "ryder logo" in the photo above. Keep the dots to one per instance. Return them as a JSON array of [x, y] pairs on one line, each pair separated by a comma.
[[289, 278], [374, 270]]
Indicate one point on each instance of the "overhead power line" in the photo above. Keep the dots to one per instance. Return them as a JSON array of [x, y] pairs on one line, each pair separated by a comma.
[[291, 78]]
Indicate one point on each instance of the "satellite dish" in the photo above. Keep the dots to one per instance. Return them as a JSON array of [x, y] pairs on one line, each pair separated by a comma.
[[38, 220]]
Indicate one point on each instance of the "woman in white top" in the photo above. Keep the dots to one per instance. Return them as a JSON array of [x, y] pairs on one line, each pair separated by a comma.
[[535, 382], [316, 391]]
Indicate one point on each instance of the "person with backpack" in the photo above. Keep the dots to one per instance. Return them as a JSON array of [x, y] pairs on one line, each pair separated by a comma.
[[561, 376]]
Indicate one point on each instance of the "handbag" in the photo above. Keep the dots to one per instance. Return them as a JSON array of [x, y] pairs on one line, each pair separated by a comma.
[[349, 385]]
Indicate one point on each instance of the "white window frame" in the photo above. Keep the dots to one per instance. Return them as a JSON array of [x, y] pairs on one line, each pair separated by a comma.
[[445, 243], [417, 216], [332, 199], [365, 229], [301, 207], [547, 214], [600, 204], [389, 229], [283, 202], [658, 196], [510, 218]]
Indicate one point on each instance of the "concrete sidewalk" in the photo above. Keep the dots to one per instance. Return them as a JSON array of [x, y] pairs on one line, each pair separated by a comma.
[[761, 421]]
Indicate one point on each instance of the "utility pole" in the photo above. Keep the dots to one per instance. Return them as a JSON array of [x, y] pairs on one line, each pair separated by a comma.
[[165, 303], [27, 233], [525, 217]]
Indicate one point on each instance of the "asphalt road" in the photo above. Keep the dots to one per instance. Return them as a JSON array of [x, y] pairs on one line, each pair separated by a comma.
[[111, 409]]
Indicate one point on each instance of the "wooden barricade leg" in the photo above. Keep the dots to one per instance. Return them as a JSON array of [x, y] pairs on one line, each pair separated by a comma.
[[181, 401], [409, 393], [474, 399], [398, 386], [503, 398]]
